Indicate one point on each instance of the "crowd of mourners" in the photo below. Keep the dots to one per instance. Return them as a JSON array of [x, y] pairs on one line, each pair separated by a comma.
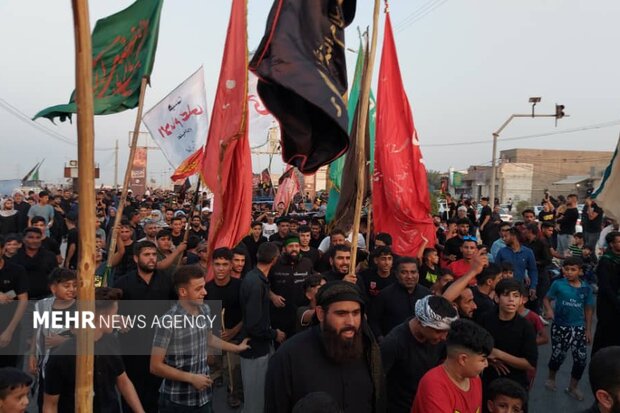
[[455, 328]]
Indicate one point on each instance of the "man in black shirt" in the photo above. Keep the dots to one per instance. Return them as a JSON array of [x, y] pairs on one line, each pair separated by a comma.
[[177, 231], [284, 225], [254, 240], [380, 276], [145, 283], [109, 371], [286, 281], [47, 243], [604, 376], [122, 260], [515, 339], [543, 260], [452, 249], [591, 222], [338, 357], [196, 229], [413, 348], [13, 285], [316, 234], [37, 262], [254, 297], [485, 222], [567, 220], [226, 289], [396, 303], [306, 250]]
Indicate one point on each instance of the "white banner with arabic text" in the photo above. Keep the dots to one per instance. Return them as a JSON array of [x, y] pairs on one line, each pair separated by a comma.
[[179, 122]]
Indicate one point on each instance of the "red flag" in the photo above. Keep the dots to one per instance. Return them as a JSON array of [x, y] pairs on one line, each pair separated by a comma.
[[401, 201], [227, 163], [190, 166], [288, 186]]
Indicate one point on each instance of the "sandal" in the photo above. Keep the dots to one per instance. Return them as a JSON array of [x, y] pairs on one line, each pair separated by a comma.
[[550, 385], [574, 393]]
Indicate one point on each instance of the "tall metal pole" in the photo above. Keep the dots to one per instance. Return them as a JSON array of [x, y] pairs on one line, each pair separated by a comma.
[[494, 155], [84, 371]]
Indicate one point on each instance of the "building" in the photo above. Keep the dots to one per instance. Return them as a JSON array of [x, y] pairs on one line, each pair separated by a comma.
[[561, 172], [525, 174]]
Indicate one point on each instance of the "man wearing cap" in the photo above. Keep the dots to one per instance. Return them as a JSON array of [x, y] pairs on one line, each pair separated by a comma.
[[284, 225], [339, 357], [286, 283], [413, 348]]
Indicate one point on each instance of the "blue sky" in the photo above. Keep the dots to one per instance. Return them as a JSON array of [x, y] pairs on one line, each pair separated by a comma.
[[466, 65]]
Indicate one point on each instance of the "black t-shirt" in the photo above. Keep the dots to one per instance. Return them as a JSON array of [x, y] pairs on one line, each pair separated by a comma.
[[72, 238], [485, 212], [38, 269], [517, 338], [484, 304], [12, 278], [312, 254], [231, 301], [373, 283], [405, 361], [544, 216], [453, 247], [60, 375], [177, 239], [127, 263], [201, 234], [568, 221], [595, 225], [51, 245], [429, 275]]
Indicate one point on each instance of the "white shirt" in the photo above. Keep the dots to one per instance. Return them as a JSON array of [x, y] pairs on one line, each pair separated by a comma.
[[324, 245], [269, 229]]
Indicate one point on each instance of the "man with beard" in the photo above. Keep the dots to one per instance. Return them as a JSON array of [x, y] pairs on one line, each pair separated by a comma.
[[522, 260], [338, 357], [336, 237], [196, 229], [238, 263], [413, 348], [145, 283], [452, 248], [396, 303], [286, 282], [605, 381]]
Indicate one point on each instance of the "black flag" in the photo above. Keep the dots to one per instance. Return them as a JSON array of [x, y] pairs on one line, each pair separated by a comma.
[[302, 75]]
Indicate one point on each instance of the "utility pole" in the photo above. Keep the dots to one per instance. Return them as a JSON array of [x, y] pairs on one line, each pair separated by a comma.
[[116, 165], [559, 114]]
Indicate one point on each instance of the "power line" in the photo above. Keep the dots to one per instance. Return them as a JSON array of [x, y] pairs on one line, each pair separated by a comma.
[[538, 135], [422, 15], [12, 110]]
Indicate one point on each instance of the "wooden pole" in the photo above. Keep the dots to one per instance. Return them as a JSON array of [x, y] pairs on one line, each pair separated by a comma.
[[188, 224], [361, 136], [132, 153], [85, 362]]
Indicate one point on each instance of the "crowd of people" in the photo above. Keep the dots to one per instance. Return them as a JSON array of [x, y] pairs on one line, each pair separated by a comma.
[[455, 328]]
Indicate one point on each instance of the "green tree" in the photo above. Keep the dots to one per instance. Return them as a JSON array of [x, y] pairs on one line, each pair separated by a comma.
[[434, 180]]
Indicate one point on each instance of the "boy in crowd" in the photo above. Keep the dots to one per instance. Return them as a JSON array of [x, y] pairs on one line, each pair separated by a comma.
[[575, 249], [380, 275], [63, 284], [515, 349], [541, 333], [109, 370], [305, 314], [430, 270], [455, 385], [506, 396], [14, 389], [507, 270], [572, 324], [13, 244]]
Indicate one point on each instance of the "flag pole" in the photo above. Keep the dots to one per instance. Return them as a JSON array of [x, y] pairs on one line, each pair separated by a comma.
[[132, 154], [188, 224], [85, 362], [361, 136]]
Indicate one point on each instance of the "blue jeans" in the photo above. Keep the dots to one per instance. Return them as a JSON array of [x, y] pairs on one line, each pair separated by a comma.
[[167, 406]]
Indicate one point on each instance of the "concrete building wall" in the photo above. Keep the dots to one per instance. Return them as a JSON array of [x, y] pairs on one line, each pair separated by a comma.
[[515, 180], [551, 165]]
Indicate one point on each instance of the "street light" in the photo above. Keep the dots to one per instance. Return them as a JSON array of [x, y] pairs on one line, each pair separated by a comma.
[[559, 113]]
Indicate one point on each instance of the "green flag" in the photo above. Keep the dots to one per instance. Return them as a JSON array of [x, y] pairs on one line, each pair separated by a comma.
[[123, 53], [336, 167]]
